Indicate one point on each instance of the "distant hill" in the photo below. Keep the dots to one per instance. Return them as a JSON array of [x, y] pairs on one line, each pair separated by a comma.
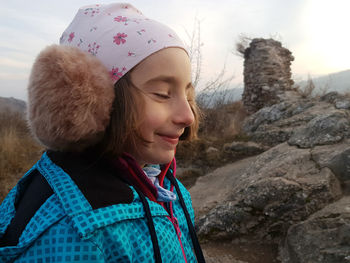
[[12, 104], [339, 81]]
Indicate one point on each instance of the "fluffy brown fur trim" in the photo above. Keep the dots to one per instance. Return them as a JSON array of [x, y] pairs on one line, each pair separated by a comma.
[[70, 96]]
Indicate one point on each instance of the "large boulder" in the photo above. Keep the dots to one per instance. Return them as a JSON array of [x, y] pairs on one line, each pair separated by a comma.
[[275, 124], [216, 187], [329, 128], [337, 158], [339, 101], [281, 187], [324, 237], [304, 122]]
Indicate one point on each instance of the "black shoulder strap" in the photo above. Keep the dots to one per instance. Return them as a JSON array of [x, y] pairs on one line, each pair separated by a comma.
[[151, 228], [36, 192], [196, 245]]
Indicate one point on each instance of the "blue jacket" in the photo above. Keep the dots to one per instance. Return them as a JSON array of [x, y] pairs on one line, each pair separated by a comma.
[[66, 228]]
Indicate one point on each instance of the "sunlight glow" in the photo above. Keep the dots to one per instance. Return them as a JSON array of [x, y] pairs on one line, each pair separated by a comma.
[[326, 28]]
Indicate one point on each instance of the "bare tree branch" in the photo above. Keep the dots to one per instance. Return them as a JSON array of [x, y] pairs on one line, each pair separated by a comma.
[[211, 89]]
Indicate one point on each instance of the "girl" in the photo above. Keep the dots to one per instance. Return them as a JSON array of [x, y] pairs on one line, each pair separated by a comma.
[[110, 104]]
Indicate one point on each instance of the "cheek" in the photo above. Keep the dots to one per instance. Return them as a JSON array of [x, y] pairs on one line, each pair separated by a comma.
[[154, 118]]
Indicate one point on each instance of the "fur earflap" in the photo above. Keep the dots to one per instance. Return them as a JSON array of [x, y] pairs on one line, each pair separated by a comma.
[[70, 97]]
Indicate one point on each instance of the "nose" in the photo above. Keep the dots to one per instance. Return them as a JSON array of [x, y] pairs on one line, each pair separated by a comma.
[[183, 115]]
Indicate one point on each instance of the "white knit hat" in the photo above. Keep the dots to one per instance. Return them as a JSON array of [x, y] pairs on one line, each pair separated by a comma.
[[119, 35]]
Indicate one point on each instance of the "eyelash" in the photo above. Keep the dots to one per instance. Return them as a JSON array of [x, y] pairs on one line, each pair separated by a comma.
[[163, 96]]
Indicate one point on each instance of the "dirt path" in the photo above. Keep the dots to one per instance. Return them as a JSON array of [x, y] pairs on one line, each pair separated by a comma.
[[228, 252]]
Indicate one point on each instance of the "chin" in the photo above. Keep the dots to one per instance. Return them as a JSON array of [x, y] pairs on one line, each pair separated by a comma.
[[163, 157], [153, 155]]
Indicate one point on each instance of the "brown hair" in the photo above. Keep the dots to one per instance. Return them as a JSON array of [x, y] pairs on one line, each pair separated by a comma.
[[123, 129]]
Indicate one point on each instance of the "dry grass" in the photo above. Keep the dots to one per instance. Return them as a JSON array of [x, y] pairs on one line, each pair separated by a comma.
[[18, 150], [347, 94], [308, 90], [223, 121], [220, 125]]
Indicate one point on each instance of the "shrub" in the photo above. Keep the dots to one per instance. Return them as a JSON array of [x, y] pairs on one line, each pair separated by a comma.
[[18, 150], [223, 121], [220, 125]]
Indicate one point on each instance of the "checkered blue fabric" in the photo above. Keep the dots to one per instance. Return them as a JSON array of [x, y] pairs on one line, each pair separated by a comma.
[[67, 229]]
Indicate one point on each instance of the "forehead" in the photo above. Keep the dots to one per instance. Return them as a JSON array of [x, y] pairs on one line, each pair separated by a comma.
[[166, 64]]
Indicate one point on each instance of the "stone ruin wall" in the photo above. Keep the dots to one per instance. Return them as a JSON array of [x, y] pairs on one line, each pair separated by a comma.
[[267, 73]]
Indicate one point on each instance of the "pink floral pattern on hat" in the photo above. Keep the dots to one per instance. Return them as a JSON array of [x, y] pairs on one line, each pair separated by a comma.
[[122, 19], [120, 38], [71, 36], [116, 74], [93, 48], [92, 11], [119, 35]]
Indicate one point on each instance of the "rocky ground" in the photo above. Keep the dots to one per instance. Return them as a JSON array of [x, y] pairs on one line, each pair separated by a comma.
[[290, 203]]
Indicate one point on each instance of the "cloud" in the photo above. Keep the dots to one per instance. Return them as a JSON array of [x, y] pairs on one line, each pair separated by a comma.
[[315, 31], [14, 76], [7, 62]]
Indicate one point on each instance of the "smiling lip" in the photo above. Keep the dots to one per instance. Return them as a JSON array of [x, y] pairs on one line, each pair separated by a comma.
[[170, 138]]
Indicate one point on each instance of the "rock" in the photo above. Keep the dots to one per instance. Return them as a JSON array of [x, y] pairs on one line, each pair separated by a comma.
[[265, 115], [324, 129], [281, 187], [213, 156], [339, 101], [337, 158], [249, 148], [188, 176], [211, 149], [190, 153], [221, 182], [303, 122], [272, 136], [223, 222], [330, 97], [324, 237], [342, 104], [298, 107], [276, 124]]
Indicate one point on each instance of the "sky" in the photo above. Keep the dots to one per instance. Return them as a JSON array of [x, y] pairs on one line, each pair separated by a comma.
[[315, 31]]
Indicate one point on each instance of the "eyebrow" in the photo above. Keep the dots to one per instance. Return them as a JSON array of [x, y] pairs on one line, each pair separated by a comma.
[[166, 79]]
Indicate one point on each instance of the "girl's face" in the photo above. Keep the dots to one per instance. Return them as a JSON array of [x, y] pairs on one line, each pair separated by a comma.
[[164, 80]]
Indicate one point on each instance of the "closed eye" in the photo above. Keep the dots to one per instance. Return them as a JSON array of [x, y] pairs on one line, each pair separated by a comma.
[[163, 96]]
